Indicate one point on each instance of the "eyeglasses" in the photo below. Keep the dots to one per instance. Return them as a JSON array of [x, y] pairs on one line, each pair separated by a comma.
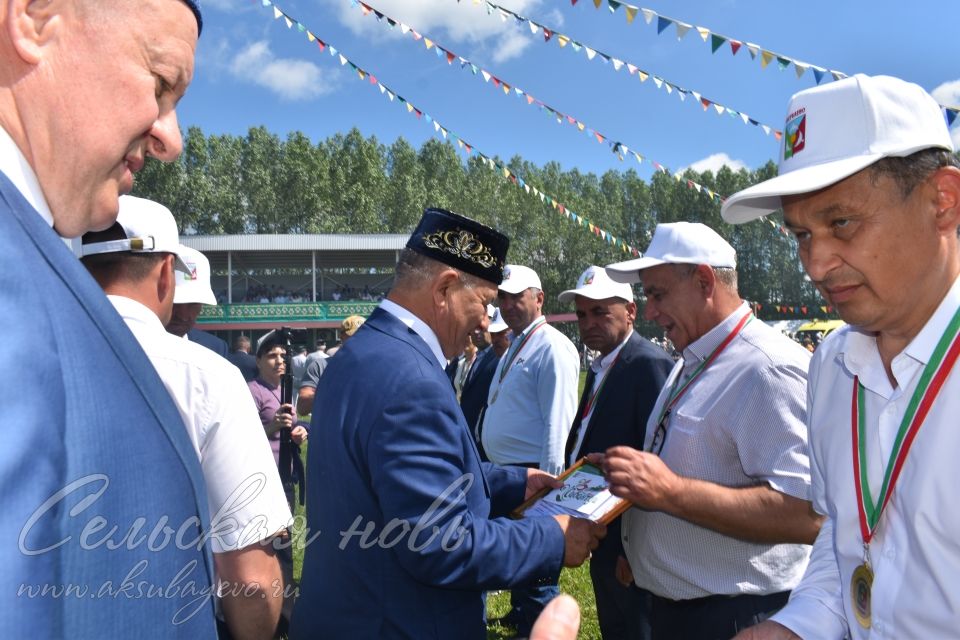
[[660, 435]]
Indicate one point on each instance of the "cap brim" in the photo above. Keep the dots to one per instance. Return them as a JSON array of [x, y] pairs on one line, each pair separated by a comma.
[[510, 286], [629, 271], [764, 198], [594, 293], [179, 264], [194, 296], [498, 327]]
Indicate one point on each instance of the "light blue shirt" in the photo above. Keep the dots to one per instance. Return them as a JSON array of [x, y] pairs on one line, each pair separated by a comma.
[[532, 408]]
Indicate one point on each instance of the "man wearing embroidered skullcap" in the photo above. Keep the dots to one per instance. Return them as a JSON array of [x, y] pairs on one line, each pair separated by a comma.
[[621, 388], [722, 524], [88, 91], [869, 185], [411, 524]]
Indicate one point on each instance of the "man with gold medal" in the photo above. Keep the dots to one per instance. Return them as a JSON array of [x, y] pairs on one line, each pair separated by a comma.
[[870, 187]]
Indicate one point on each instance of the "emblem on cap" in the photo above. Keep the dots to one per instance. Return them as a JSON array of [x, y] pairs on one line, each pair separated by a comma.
[[588, 278], [462, 244], [795, 133], [193, 272]]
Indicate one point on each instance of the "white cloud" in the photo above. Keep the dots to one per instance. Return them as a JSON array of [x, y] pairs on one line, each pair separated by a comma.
[[948, 93], [714, 162], [289, 78], [452, 23]]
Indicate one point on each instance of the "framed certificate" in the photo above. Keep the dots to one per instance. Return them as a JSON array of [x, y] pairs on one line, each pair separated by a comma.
[[584, 495]]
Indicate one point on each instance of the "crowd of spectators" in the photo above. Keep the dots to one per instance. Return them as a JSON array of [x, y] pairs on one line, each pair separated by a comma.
[[277, 294]]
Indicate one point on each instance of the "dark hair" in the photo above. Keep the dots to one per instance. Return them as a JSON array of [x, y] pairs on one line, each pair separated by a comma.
[[269, 345], [909, 171]]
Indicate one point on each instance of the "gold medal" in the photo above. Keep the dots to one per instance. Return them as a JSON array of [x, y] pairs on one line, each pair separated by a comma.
[[860, 585]]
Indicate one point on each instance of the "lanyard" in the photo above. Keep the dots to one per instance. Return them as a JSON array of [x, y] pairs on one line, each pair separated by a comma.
[[520, 342], [928, 387], [676, 393], [592, 398]]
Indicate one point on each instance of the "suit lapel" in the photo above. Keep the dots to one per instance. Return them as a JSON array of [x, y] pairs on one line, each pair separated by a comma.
[[606, 401]]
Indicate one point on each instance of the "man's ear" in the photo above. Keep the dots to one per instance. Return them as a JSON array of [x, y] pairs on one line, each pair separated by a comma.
[[167, 282], [31, 25], [946, 181], [441, 285], [706, 279]]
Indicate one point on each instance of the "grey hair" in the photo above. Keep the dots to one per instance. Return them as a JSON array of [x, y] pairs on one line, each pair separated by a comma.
[[414, 271]]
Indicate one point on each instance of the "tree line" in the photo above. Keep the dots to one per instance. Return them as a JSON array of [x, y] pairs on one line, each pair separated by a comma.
[[348, 183]]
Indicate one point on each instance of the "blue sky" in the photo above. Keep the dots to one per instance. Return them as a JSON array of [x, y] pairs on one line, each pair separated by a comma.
[[252, 70]]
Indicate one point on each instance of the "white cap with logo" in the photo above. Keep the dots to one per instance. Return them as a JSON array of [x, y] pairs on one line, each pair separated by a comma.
[[835, 130], [678, 243], [517, 278], [148, 227], [194, 285], [496, 320], [594, 283]]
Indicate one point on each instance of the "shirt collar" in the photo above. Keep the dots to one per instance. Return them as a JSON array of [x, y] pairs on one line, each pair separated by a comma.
[[859, 351], [701, 348], [130, 309], [14, 165], [417, 325], [602, 364]]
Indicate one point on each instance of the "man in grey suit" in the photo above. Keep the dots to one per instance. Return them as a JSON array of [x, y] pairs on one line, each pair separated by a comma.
[[104, 505]]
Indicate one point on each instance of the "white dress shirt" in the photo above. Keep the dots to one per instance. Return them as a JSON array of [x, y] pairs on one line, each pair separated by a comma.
[[915, 551], [418, 326], [600, 367], [244, 493], [14, 165], [741, 423], [530, 411]]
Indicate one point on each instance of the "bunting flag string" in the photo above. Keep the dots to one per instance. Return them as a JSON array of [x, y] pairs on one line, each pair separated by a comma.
[[593, 53], [618, 148], [447, 134], [717, 41]]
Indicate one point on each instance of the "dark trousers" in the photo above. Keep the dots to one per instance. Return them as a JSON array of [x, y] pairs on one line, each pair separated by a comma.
[[711, 618], [623, 612], [526, 603]]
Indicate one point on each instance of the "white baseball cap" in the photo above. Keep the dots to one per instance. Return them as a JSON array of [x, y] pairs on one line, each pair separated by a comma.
[[194, 285], [678, 243], [517, 278], [496, 321], [147, 227], [835, 130], [594, 283]]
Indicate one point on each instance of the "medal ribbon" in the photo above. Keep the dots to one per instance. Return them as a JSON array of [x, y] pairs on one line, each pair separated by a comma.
[[589, 405], [928, 387], [676, 393], [513, 356]]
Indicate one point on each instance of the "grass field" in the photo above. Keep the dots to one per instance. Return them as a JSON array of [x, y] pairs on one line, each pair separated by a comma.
[[575, 582]]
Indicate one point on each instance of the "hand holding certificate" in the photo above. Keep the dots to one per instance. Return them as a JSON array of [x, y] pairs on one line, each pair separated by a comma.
[[584, 494]]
